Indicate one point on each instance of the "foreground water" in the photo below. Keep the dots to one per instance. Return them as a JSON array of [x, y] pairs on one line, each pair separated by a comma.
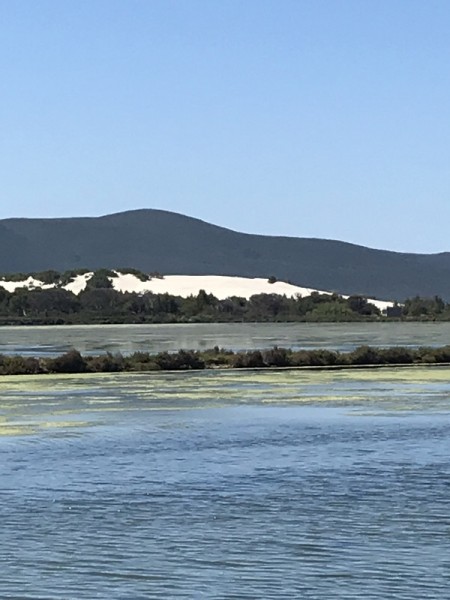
[[226, 485], [92, 339]]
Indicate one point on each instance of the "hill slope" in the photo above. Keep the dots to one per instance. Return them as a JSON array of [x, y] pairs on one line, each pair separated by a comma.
[[155, 240]]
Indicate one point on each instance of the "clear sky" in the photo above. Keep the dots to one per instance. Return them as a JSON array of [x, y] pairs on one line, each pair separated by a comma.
[[316, 118]]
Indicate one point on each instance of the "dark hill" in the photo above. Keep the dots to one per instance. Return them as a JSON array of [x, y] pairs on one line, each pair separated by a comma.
[[155, 240]]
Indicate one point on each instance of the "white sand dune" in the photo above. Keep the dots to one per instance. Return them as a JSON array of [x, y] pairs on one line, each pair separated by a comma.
[[220, 286], [186, 285], [78, 284], [29, 283]]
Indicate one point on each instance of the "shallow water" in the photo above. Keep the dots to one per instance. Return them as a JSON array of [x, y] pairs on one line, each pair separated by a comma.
[[226, 485], [42, 341]]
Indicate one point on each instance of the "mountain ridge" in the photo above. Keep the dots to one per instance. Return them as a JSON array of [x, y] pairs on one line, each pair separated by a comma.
[[172, 243]]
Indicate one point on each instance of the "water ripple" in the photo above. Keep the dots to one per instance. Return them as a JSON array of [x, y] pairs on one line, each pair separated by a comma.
[[234, 501]]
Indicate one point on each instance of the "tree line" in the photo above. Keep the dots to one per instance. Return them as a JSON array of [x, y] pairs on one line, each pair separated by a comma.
[[99, 302], [106, 305]]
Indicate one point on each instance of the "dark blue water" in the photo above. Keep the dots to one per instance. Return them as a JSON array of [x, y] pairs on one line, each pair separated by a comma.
[[224, 501]]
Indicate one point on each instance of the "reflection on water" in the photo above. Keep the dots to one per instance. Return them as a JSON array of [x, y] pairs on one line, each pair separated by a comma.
[[36, 341], [259, 485]]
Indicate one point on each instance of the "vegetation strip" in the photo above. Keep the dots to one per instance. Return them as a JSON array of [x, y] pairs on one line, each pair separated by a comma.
[[219, 358], [99, 303]]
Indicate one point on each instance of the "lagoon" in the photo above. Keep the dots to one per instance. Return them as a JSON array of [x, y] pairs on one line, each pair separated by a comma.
[[95, 339], [269, 484]]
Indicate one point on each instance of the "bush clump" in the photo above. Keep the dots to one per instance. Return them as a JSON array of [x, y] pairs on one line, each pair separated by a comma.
[[248, 360], [179, 361], [105, 363], [140, 361], [19, 365], [216, 357], [277, 357], [70, 362]]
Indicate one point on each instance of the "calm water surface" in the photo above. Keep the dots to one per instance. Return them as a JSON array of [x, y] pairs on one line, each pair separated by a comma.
[[236, 336], [226, 485]]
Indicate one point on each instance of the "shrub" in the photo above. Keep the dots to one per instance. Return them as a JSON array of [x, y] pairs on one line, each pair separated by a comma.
[[140, 361], [364, 355], [19, 365], [277, 357], [47, 277], [314, 358], [217, 357], [70, 362], [105, 363], [249, 360], [434, 355], [397, 355], [101, 279], [181, 360]]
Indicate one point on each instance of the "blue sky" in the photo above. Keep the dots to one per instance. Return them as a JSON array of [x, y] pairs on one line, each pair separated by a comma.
[[305, 118]]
